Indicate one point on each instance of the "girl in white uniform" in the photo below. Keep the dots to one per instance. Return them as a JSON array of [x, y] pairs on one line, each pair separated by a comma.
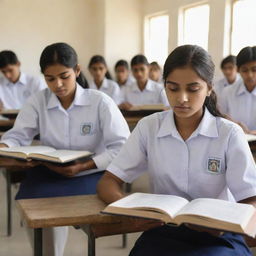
[[67, 116], [143, 90], [177, 148], [102, 79], [239, 101]]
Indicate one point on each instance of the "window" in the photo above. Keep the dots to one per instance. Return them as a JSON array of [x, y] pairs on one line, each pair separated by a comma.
[[243, 25], [156, 38], [196, 25]]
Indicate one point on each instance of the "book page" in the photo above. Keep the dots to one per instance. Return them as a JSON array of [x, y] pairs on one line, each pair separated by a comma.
[[147, 107], [226, 211], [165, 203], [28, 149], [61, 155], [250, 137]]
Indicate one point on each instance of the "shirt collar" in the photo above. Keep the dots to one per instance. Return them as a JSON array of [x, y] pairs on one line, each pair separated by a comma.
[[207, 126], [103, 85], [81, 98], [22, 80], [242, 89], [149, 86]]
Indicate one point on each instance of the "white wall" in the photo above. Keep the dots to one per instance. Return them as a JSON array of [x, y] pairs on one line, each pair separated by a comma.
[[218, 39]]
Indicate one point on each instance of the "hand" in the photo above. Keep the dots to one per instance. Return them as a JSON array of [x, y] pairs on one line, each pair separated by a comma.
[[12, 163], [68, 171], [212, 232], [125, 106]]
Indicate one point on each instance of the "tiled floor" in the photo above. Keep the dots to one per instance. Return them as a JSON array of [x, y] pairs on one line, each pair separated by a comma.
[[18, 244]]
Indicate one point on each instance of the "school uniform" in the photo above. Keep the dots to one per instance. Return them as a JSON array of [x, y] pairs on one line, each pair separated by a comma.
[[110, 87], [14, 95], [153, 93], [184, 168], [223, 83], [240, 104]]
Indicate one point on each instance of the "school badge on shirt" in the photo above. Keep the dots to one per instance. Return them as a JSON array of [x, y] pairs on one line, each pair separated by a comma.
[[86, 129], [214, 165]]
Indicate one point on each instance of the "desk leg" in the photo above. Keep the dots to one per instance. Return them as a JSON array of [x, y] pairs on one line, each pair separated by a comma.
[[91, 240], [9, 202], [38, 242]]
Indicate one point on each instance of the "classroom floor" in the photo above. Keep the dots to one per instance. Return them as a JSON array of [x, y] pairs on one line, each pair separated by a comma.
[[18, 244]]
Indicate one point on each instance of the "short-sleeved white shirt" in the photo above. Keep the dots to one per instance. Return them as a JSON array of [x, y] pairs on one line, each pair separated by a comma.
[[153, 93], [110, 87], [14, 95], [93, 122], [240, 104], [215, 162], [223, 83]]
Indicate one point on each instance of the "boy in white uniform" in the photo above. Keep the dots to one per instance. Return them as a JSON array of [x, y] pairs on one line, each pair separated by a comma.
[[178, 148], [16, 87], [239, 101]]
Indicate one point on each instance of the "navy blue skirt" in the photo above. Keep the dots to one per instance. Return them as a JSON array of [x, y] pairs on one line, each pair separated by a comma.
[[41, 182], [182, 241]]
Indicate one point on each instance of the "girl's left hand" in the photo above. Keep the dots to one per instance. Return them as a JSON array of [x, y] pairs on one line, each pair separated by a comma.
[[68, 171]]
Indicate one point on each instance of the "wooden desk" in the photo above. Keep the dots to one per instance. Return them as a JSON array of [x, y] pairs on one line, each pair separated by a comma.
[[6, 124], [81, 211]]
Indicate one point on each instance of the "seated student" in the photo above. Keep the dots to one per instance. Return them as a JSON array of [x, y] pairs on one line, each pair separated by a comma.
[[239, 102], [123, 77], [16, 86], [155, 72], [177, 147], [143, 90], [102, 79], [229, 70], [67, 116]]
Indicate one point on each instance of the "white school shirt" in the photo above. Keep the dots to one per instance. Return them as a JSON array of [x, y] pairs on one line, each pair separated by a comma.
[[223, 83], [153, 93], [215, 162], [239, 104], [93, 122], [14, 95], [110, 87]]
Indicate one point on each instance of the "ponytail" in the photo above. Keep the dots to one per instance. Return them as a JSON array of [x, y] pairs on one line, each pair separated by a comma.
[[211, 104], [81, 80]]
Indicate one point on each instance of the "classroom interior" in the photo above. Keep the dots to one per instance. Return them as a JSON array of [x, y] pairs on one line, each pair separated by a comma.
[[115, 29]]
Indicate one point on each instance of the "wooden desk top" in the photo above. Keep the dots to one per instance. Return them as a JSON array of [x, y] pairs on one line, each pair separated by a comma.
[[9, 122], [74, 210]]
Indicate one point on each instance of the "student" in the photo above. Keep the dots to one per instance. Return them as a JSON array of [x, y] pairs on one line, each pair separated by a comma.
[[229, 70], [155, 72], [177, 148], [239, 102], [67, 116], [16, 86], [143, 90], [102, 79], [123, 77]]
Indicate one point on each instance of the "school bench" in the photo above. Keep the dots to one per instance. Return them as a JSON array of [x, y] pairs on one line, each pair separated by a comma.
[[82, 211]]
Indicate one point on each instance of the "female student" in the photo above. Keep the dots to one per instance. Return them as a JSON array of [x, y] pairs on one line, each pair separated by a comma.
[[155, 72], [143, 90], [177, 148], [239, 101], [102, 79], [67, 116], [231, 77]]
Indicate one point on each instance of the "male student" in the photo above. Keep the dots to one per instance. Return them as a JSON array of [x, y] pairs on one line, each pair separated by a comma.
[[15, 86]]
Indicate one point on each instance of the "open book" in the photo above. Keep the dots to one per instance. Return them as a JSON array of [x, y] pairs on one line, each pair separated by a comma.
[[206, 212], [156, 107], [44, 153], [250, 137]]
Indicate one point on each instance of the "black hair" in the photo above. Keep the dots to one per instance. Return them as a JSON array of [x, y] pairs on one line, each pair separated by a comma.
[[154, 63], [229, 59], [246, 55], [8, 58], [99, 59], [201, 62], [122, 63], [139, 59], [64, 54]]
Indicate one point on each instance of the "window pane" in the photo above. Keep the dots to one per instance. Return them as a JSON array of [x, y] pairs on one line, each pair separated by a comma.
[[244, 25], [196, 25], [157, 42]]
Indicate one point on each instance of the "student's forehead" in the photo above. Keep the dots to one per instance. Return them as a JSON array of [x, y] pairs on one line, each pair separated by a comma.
[[229, 65], [56, 69], [10, 67], [250, 64]]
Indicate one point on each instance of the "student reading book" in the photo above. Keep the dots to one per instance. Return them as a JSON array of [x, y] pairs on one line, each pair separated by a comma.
[[235, 217], [44, 153], [190, 151], [67, 115]]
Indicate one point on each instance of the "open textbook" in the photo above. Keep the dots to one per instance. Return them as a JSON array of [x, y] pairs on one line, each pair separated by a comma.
[[156, 107], [206, 212], [44, 153]]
